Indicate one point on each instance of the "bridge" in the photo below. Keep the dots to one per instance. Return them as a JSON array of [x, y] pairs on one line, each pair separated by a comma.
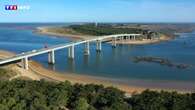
[[24, 57]]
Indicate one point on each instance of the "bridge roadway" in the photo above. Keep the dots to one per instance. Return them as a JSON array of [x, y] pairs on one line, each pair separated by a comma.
[[51, 50]]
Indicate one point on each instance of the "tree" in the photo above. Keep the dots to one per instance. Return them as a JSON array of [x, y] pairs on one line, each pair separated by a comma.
[[81, 104], [120, 106], [3, 107], [43, 95], [18, 106], [58, 98]]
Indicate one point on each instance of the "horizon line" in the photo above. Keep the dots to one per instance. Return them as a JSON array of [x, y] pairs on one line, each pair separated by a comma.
[[99, 22]]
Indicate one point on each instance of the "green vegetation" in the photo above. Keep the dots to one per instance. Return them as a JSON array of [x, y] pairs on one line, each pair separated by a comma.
[[103, 29], [148, 30], [100, 30], [42, 95]]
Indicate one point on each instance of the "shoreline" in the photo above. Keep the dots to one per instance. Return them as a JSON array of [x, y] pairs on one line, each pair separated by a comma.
[[45, 31], [37, 72], [146, 41]]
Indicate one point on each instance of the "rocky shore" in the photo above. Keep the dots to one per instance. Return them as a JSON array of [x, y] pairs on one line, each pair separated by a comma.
[[161, 61]]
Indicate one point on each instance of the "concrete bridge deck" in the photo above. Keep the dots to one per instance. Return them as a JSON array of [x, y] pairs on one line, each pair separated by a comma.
[[50, 50]]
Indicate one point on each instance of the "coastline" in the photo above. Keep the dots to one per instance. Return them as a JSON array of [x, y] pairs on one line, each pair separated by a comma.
[[145, 41], [46, 31], [37, 72]]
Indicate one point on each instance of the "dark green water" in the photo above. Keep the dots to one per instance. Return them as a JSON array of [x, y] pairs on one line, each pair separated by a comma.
[[112, 63]]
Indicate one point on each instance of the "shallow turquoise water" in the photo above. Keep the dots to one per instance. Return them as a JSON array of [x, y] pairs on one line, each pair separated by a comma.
[[111, 63]]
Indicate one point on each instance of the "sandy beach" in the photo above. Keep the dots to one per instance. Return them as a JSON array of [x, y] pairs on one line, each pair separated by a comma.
[[46, 31]]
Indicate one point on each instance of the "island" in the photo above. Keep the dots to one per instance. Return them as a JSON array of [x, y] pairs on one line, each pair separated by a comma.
[[90, 30]]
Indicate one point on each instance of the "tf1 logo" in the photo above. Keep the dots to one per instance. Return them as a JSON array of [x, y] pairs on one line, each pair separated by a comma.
[[11, 7], [16, 7]]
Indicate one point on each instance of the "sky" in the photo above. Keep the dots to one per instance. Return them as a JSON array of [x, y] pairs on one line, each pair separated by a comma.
[[99, 11]]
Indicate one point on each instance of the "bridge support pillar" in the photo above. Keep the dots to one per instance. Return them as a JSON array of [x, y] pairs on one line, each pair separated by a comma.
[[134, 37], [25, 63], [128, 37], [122, 38], [71, 52], [119, 38], [98, 46], [86, 50], [114, 42], [51, 57]]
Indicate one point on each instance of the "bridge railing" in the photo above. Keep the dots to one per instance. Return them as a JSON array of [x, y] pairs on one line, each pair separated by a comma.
[[60, 46]]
